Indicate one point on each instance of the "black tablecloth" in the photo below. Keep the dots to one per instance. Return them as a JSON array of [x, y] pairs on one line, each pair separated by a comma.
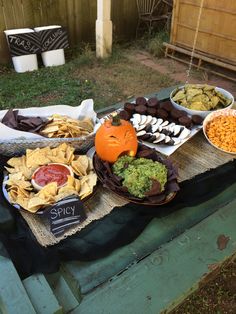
[[118, 228]]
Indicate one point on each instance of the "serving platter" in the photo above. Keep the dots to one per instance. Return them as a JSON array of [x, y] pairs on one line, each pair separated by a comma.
[[166, 150], [83, 186], [105, 174]]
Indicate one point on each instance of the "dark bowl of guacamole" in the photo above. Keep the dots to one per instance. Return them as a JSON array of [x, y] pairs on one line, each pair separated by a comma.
[[148, 178]]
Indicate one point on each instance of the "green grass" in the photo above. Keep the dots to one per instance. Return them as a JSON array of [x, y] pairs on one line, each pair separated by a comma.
[[155, 45], [106, 81]]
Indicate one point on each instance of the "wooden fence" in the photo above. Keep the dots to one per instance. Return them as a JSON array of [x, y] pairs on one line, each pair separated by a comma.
[[78, 16], [217, 27]]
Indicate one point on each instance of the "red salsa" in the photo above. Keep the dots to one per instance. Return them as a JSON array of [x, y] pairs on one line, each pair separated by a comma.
[[51, 173]]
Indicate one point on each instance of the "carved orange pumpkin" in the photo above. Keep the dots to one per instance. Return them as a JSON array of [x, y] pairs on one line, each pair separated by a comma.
[[115, 137]]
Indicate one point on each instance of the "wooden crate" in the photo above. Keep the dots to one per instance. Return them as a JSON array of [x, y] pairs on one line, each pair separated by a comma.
[[216, 37]]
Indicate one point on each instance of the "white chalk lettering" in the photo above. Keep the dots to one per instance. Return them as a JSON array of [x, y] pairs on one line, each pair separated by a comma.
[[26, 44], [62, 211], [52, 38]]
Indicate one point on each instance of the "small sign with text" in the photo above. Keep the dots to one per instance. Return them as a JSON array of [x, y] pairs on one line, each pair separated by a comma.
[[24, 44], [52, 39], [64, 214]]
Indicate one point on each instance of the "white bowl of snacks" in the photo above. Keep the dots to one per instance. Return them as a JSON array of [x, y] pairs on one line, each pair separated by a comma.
[[52, 172], [219, 128], [199, 99]]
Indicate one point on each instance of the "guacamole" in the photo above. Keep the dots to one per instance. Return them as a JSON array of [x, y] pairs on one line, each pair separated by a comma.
[[137, 174]]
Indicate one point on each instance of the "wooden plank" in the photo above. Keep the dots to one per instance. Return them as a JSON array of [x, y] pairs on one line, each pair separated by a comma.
[[174, 21], [89, 275], [62, 292], [201, 30], [71, 20], [41, 295], [18, 14], [28, 15], [36, 9], [166, 276], [62, 12], [78, 30], [53, 17], [44, 12], [117, 17], [202, 68], [92, 20], [8, 16], [218, 6], [4, 51], [13, 297], [203, 57]]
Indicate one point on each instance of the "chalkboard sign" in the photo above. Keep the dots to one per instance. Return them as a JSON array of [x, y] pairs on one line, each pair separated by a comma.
[[24, 44], [52, 39], [65, 213]]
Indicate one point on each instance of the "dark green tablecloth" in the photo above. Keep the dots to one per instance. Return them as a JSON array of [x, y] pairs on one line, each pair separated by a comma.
[[118, 228]]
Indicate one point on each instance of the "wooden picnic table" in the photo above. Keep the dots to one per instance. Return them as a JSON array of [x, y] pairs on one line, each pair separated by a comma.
[[83, 280]]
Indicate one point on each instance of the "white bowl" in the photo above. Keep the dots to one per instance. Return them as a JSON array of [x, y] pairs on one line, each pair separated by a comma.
[[212, 116], [201, 113], [39, 187]]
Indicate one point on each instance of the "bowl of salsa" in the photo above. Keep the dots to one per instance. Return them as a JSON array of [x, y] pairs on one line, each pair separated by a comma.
[[53, 172]]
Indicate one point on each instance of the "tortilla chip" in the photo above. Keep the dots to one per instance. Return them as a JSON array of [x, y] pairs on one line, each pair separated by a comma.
[[36, 157], [85, 190], [92, 179], [16, 161], [81, 165], [48, 190], [60, 126]]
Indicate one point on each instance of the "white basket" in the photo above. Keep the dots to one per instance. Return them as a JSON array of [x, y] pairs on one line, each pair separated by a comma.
[[19, 146], [13, 142]]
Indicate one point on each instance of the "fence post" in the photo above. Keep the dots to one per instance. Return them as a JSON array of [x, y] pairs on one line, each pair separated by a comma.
[[103, 29]]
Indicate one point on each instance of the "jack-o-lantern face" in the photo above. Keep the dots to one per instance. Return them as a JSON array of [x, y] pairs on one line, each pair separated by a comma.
[[115, 138]]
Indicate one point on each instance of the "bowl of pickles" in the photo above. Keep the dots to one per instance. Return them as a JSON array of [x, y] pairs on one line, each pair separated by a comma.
[[201, 99]]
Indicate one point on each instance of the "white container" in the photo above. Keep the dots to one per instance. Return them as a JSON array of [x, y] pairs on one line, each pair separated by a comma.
[[51, 57], [23, 63], [202, 113]]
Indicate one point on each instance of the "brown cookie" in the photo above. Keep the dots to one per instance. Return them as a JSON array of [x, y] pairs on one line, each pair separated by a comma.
[[129, 107], [161, 113], [141, 101], [185, 121], [141, 109], [176, 114], [153, 102], [167, 106], [197, 119], [125, 115], [151, 111]]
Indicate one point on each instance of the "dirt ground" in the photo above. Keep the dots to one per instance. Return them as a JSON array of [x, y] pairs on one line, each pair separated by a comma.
[[178, 71], [214, 296]]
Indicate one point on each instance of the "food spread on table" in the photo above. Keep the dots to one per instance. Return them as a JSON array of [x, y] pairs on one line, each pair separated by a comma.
[[44, 176], [201, 97], [44, 167]]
